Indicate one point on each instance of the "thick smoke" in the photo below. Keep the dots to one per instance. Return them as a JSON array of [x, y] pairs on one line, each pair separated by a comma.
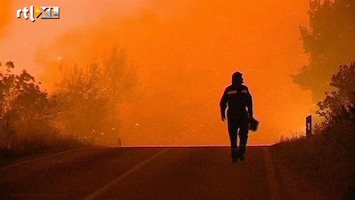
[[5, 17], [185, 52]]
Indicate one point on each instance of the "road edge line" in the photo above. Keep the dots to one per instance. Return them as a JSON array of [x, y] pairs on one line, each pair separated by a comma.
[[273, 183], [109, 185], [41, 158]]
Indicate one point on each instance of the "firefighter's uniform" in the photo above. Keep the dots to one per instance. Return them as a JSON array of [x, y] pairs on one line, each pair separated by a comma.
[[237, 101]]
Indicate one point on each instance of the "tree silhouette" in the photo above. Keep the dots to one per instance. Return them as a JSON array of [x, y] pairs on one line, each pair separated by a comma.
[[82, 112], [340, 103], [88, 97], [25, 110], [119, 80], [329, 42]]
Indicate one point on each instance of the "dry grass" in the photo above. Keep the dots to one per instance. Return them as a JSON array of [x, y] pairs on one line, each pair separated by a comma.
[[35, 146], [323, 163]]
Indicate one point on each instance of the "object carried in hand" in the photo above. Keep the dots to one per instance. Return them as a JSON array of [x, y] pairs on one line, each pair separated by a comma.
[[253, 124]]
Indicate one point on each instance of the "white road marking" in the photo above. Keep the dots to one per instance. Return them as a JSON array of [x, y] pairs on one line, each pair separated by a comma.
[[112, 183], [273, 184], [41, 158]]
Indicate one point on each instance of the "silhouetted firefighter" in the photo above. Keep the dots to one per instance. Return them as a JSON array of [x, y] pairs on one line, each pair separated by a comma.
[[237, 101]]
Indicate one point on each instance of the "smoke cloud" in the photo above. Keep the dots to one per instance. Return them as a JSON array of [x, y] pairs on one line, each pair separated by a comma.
[[5, 16], [185, 53]]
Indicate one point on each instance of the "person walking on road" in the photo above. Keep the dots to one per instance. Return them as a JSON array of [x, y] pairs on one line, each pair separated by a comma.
[[237, 101]]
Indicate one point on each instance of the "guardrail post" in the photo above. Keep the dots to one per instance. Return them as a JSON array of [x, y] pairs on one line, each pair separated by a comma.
[[309, 126], [119, 142]]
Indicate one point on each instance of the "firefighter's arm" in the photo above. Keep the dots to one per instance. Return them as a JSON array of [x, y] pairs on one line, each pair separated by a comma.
[[250, 105], [223, 106]]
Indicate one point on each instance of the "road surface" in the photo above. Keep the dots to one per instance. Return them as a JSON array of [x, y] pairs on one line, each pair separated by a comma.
[[142, 173]]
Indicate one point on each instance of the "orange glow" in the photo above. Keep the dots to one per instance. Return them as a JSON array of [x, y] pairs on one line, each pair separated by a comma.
[[185, 52]]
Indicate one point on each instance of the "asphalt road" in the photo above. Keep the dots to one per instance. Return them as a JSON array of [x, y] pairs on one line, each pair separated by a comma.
[[142, 173]]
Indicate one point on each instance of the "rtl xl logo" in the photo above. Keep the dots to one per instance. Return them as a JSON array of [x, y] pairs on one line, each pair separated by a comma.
[[42, 12]]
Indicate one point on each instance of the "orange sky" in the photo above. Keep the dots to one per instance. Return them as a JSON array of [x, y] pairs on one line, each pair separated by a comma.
[[184, 51]]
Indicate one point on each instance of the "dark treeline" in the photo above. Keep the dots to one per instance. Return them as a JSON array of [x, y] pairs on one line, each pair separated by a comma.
[[326, 160], [330, 74], [329, 42], [338, 110], [83, 108]]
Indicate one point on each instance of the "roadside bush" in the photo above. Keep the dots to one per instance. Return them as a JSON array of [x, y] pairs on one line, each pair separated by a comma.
[[26, 113], [326, 159]]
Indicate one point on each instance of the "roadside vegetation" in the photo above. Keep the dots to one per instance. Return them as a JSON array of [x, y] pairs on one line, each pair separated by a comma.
[[322, 166], [82, 109], [324, 163]]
